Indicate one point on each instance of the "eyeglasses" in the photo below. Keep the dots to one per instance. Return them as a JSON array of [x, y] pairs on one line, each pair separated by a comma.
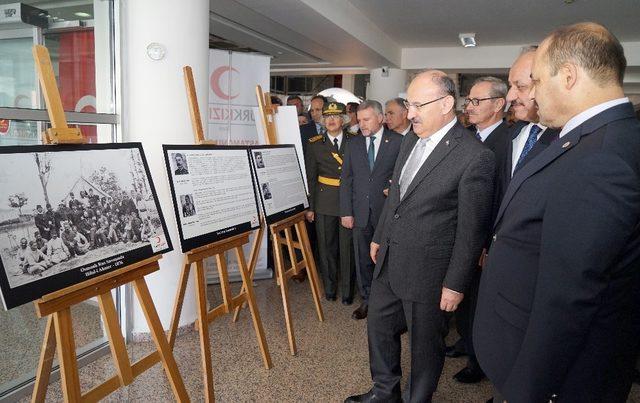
[[476, 101], [418, 106]]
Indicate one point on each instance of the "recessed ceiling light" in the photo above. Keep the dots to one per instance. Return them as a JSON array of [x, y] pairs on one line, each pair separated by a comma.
[[81, 14], [468, 40]]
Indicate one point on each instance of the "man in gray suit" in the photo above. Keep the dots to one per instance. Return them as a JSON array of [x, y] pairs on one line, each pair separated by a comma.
[[368, 165], [428, 241]]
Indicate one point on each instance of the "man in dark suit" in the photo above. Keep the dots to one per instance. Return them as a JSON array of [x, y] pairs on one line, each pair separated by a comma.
[[395, 116], [485, 110], [368, 165], [557, 313], [323, 161], [427, 242]]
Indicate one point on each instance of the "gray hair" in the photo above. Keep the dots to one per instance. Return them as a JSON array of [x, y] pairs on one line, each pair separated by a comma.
[[370, 103], [498, 87], [398, 101], [528, 49], [446, 84]]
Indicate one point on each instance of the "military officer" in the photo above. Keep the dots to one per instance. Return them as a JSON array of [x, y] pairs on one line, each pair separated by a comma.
[[324, 164]]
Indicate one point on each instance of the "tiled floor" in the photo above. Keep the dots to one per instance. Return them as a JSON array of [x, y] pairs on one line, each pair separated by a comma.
[[331, 363]]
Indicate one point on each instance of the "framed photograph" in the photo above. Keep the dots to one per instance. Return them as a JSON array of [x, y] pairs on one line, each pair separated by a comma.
[[213, 192], [282, 189], [73, 212]]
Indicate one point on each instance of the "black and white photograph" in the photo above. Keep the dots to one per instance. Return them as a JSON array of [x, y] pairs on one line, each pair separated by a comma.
[[71, 213], [259, 161], [180, 164], [265, 191], [188, 209]]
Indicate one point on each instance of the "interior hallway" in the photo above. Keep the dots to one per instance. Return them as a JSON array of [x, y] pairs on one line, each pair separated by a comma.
[[331, 364]]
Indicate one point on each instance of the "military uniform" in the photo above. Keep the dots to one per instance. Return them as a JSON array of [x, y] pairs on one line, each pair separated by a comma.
[[335, 247]]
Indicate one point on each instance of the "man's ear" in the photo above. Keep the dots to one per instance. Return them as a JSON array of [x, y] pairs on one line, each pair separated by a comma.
[[569, 75], [449, 104]]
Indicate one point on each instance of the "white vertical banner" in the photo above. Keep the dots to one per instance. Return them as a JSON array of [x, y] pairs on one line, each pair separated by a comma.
[[233, 78], [231, 120]]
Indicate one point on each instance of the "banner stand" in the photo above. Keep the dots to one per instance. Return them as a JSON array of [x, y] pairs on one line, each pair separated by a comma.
[[217, 250], [57, 305]]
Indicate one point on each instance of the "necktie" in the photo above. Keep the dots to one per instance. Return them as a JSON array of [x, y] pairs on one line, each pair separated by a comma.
[[478, 136], [335, 144], [531, 140], [412, 166], [371, 153]]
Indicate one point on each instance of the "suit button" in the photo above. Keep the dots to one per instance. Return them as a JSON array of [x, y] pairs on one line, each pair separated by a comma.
[[396, 216], [367, 197], [370, 179], [494, 237]]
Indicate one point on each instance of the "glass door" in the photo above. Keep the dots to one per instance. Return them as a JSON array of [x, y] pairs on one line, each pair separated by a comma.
[[79, 36]]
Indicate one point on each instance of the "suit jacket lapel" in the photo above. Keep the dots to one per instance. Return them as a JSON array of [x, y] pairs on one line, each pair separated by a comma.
[[444, 147], [381, 151], [557, 148], [544, 158]]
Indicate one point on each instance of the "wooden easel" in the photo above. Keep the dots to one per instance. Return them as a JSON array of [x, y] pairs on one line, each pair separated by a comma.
[[217, 250], [282, 234], [57, 305]]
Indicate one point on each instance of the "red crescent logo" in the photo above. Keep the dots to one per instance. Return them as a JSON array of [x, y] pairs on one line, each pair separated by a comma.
[[215, 82]]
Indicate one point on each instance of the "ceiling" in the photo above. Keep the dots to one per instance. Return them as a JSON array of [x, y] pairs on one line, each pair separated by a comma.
[[320, 36], [420, 23]]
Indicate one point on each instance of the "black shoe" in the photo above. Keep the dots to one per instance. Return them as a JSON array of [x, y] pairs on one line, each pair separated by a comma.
[[347, 301], [490, 400], [469, 375], [361, 312], [330, 297], [371, 397], [453, 352]]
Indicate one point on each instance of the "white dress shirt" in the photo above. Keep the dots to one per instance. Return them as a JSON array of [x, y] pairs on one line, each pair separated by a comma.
[[406, 130], [484, 133], [432, 142], [520, 141], [583, 116], [376, 143], [339, 137]]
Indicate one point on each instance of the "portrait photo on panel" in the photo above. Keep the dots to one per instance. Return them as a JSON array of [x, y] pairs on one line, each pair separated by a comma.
[[266, 192], [180, 164], [188, 208], [259, 161]]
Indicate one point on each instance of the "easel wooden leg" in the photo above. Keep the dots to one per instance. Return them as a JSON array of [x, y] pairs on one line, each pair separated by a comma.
[[168, 361], [45, 364], [67, 356], [314, 281], [203, 327], [251, 301], [253, 261], [117, 345], [177, 307], [224, 281], [282, 281]]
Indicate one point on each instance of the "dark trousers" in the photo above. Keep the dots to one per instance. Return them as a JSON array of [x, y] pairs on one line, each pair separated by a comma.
[[335, 251], [362, 237], [427, 325], [464, 319]]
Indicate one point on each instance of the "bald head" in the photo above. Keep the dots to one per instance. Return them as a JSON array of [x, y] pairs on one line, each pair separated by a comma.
[[575, 68], [431, 97]]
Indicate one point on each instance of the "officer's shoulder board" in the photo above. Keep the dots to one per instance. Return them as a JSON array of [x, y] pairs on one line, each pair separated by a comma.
[[315, 138]]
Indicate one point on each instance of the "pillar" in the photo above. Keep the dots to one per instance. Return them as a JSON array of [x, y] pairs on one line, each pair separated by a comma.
[[155, 112], [382, 88]]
